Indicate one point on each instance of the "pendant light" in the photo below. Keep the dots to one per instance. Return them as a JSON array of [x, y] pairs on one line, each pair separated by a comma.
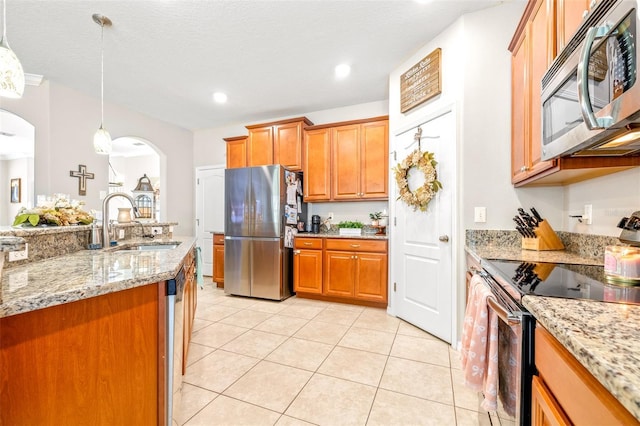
[[11, 73], [102, 138]]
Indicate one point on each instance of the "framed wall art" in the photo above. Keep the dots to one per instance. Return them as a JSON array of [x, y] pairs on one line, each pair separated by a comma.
[[15, 190]]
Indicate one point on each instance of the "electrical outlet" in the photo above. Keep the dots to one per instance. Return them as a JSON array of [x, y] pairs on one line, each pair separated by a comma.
[[587, 216], [480, 215], [19, 255], [120, 234], [156, 230], [330, 216]]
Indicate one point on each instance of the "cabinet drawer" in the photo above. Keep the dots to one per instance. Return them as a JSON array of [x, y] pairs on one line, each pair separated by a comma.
[[308, 243], [581, 396], [356, 245], [218, 238]]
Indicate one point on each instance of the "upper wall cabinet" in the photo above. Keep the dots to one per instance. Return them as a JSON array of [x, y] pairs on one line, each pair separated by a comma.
[[236, 152], [347, 161], [545, 27], [277, 143]]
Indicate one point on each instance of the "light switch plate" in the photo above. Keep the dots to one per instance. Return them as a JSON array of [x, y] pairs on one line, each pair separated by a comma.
[[480, 215]]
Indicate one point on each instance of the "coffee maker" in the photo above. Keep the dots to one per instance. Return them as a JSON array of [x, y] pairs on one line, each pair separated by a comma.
[[315, 224]]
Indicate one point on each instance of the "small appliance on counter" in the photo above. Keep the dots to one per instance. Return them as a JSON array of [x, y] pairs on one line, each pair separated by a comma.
[[315, 224]]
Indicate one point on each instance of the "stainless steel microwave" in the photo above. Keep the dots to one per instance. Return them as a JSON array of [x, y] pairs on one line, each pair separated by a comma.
[[590, 94]]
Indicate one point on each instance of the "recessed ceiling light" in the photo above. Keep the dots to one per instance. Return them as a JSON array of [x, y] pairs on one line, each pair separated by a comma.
[[220, 97], [342, 70]]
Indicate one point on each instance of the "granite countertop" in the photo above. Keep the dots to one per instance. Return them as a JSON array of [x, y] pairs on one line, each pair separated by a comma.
[[603, 336], [332, 235], [88, 273]]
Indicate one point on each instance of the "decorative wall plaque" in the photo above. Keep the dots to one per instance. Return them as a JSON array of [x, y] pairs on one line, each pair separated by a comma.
[[422, 82], [82, 176]]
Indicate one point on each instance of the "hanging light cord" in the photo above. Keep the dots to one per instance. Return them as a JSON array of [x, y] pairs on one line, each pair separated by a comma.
[[102, 74], [4, 22]]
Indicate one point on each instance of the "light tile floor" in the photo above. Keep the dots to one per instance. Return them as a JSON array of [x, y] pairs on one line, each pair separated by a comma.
[[300, 362]]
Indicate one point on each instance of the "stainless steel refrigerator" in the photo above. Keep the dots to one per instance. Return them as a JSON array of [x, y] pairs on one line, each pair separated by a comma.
[[259, 205]]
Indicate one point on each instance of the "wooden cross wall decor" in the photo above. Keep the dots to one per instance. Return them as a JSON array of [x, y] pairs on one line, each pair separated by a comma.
[[82, 175]]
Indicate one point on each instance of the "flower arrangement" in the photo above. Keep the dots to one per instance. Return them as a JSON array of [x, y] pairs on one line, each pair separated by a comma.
[[420, 197], [56, 211]]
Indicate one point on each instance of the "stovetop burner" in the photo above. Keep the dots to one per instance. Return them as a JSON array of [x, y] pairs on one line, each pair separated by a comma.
[[563, 280]]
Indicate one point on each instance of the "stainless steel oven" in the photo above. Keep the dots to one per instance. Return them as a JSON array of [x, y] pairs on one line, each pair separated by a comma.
[[515, 348]]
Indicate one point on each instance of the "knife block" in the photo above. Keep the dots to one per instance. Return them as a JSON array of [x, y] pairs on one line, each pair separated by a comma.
[[546, 239]]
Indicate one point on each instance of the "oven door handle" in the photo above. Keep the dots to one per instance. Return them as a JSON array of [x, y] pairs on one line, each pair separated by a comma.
[[507, 317]]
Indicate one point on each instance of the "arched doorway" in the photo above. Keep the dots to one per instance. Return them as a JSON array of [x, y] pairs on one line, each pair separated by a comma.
[[17, 151], [131, 158]]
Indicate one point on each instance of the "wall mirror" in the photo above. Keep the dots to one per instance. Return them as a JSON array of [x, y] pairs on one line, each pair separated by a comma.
[[17, 148]]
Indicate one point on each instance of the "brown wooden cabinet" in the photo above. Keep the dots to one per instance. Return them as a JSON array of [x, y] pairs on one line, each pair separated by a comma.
[[236, 152], [566, 393], [543, 29], [347, 161], [356, 269], [95, 361], [317, 165], [307, 265], [278, 142], [360, 161], [341, 270], [218, 260]]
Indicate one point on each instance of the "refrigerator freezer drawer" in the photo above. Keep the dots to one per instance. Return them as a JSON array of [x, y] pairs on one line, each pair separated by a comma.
[[237, 266]]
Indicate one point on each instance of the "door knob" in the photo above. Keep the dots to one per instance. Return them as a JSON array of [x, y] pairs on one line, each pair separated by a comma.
[[444, 238]]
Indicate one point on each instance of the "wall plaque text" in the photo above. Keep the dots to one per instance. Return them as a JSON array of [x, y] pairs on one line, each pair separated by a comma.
[[422, 82]]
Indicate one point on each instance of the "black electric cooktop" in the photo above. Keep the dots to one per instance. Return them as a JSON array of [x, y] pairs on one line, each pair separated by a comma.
[[562, 280]]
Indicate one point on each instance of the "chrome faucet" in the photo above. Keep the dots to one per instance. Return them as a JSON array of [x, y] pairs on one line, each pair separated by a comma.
[[105, 214]]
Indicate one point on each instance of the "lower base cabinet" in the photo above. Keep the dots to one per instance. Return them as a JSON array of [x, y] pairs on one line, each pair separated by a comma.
[[97, 361], [190, 305], [566, 393], [347, 270], [218, 260]]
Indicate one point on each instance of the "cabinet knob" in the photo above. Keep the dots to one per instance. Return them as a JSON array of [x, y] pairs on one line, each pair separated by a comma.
[[444, 238], [296, 252]]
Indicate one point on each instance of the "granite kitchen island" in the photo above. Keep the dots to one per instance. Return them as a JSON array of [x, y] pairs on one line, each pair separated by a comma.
[[83, 336]]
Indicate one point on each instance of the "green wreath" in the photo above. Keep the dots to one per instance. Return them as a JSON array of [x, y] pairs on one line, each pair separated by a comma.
[[420, 197]]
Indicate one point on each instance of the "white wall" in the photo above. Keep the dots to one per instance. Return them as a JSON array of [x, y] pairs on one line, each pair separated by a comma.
[[65, 122]]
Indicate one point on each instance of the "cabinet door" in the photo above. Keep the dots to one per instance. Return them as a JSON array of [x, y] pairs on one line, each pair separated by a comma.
[[519, 110], [371, 276], [545, 410], [542, 51], [218, 264], [317, 165], [374, 156], [260, 146], [307, 271], [237, 153], [570, 15], [346, 162], [339, 273], [287, 145]]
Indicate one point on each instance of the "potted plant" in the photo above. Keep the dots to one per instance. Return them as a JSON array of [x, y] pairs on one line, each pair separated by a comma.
[[375, 218], [350, 228]]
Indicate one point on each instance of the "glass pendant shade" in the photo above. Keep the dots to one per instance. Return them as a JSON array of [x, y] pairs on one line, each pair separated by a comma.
[[102, 141], [11, 73]]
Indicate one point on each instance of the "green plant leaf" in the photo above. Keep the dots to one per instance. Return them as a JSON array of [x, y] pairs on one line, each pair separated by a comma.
[[34, 219]]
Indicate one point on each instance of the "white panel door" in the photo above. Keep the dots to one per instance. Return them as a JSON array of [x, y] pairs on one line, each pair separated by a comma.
[[420, 242], [209, 211]]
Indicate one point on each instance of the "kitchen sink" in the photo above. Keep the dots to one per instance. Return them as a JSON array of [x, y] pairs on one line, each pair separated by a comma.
[[147, 247]]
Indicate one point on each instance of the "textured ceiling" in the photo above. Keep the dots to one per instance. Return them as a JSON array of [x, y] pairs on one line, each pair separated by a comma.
[[165, 58]]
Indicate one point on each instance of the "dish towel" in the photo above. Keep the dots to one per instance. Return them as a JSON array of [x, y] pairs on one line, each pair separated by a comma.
[[480, 344], [199, 278]]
